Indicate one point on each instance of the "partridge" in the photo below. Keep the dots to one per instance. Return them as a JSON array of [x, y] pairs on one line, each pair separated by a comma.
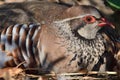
[[61, 38]]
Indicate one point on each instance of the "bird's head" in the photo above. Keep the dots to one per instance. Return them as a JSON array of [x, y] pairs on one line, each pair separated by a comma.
[[85, 21]]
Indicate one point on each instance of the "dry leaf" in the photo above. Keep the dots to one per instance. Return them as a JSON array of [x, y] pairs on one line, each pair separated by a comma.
[[10, 71]]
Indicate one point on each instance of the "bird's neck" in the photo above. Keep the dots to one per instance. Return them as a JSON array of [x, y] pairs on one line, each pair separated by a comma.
[[86, 49]]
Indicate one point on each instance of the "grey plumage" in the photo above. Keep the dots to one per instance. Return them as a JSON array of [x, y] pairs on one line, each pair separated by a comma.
[[69, 39]]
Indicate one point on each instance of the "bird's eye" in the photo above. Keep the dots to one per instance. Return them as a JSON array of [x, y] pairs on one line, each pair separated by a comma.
[[89, 19]]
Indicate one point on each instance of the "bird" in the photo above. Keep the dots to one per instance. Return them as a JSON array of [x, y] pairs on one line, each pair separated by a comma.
[[56, 37]]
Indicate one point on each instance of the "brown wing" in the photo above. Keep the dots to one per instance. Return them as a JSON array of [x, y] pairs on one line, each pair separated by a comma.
[[112, 44]]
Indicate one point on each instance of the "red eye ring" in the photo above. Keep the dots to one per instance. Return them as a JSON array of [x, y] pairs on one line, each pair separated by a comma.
[[89, 19]]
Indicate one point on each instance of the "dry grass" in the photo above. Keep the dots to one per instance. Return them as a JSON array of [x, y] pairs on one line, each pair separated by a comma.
[[19, 74]]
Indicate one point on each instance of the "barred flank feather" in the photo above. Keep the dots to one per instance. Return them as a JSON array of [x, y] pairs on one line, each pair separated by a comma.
[[17, 45]]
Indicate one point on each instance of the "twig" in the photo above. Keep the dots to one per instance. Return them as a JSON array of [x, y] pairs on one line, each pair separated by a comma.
[[20, 64], [73, 74]]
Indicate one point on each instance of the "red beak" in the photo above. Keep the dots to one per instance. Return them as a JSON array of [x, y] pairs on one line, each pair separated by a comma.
[[104, 22]]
